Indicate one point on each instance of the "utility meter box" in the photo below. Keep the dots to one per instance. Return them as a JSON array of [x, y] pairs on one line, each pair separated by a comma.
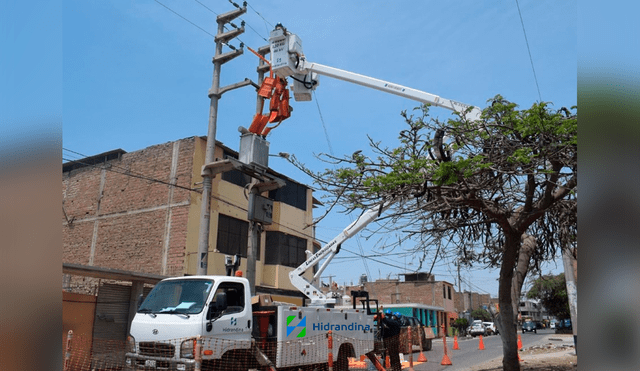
[[260, 209], [285, 48], [254, 150]]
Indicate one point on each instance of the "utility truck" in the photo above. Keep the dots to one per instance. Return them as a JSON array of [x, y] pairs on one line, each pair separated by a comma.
[[213, 322]]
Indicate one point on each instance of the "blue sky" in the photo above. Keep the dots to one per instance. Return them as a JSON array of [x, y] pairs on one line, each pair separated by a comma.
[[137, 74]]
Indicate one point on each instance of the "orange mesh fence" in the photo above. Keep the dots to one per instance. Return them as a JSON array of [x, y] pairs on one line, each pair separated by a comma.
[[215, 354]]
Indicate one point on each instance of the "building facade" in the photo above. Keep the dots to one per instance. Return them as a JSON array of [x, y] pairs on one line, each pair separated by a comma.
[[430, 300], [140, 212]]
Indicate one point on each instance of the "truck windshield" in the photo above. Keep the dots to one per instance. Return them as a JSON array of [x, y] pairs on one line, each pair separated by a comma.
[[177, 296]]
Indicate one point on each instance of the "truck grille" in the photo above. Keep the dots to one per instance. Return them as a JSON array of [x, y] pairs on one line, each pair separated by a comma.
[[153, 349]]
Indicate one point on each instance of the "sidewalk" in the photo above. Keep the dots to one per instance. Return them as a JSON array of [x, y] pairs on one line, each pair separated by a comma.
[[552, 352]]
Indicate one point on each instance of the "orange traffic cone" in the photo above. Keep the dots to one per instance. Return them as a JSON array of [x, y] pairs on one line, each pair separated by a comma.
[[422, 357], [455, 343], [387, 362], [519, 343], [481, 345], [445, 359]]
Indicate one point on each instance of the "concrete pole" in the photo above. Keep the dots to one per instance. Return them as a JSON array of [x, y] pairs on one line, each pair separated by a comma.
[[254, 227], [205, 210], [572, 292]]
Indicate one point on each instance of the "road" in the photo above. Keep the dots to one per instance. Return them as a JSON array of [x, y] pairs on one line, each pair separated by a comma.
[[469, 355]]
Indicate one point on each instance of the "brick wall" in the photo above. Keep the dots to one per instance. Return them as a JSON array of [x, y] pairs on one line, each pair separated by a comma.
[[121, 218], [422, 292]]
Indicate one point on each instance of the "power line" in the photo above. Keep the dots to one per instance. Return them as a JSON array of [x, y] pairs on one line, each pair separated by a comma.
[[260, 15], [245, 22], [529, 50], [176, 13], [326, 134]]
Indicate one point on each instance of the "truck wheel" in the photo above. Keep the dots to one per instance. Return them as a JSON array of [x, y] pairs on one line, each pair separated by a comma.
[[426, 344]]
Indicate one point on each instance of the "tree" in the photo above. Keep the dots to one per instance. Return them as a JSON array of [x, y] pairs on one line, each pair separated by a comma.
[[508, 177], [552, 292], [481, 314], [461, 324]]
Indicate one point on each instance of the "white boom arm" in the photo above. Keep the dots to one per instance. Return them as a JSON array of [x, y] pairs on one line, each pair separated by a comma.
[[287, 59], [331, 249]]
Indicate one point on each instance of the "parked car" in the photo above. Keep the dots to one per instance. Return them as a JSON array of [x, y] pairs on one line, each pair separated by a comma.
[[552, 324], [539, 325], [417, 333], [477, 328], [529, 326], [491, 328], [564, 326]]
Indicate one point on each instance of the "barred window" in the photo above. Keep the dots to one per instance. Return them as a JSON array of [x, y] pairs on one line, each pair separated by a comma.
[[285, 249], [233, 236], [292, 194]]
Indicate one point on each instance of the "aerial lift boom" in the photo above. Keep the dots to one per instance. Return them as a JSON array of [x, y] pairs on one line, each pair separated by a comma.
[[288, 60], [329, 251]]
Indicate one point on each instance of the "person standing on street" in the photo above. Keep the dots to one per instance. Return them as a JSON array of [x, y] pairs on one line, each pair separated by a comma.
[[391, 337]]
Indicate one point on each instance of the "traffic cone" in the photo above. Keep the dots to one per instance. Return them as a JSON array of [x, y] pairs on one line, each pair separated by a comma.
[[445, 359], [455, 343], [387, 362], [421, 357], [519, 343], [481, 345]]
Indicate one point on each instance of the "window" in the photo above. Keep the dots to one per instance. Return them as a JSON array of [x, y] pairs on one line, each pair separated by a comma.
[[285, 249], [449, 289], [234, 176], [235, 296], [292, 194], [233, 236], [444, 291], [185, 296]]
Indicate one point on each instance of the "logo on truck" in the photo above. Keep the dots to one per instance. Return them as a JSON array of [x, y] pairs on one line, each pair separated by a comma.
[[302, 324]]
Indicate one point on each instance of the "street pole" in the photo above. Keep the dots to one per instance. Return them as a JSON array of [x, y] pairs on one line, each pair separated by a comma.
[[254, 227], [572, 292], [214, 94]]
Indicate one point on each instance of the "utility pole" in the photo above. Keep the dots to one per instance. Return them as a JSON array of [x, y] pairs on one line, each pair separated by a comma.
[[255, 228], [215, 93], [572, 292]]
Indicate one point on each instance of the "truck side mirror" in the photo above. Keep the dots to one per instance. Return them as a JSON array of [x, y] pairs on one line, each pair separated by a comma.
[[215, 310], [221, 301]]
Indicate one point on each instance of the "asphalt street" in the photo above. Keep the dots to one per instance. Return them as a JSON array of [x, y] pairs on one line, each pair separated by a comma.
[[469, 354]]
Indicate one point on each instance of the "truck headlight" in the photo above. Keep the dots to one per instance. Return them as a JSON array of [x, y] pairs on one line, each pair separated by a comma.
[[188, 348], [131, 344]]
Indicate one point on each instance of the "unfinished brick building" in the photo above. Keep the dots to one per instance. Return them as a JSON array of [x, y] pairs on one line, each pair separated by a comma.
[[130, 219]]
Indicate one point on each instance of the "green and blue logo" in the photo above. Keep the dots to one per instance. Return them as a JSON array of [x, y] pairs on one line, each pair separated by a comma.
[[234, 321], [302, 324]]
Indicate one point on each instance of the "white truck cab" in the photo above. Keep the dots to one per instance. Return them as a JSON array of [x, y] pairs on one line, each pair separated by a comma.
[[165, 328]]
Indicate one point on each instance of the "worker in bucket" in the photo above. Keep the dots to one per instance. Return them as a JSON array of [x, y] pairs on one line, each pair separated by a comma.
[[391, 337]]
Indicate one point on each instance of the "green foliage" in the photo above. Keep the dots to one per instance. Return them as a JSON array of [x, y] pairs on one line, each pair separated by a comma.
[[451, 172], [552, 292], [482, 314], [460, 324]]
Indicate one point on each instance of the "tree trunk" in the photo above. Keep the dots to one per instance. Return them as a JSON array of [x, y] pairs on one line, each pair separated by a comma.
[[522, 268], [507, 315]]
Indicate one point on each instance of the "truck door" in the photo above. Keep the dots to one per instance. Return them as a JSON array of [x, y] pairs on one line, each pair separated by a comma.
[[232, 321]]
